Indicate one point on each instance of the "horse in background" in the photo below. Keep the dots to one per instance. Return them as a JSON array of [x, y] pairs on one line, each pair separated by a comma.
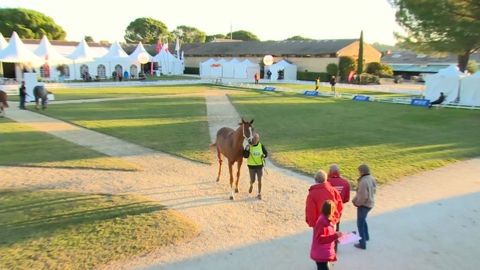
[[229, 143], [3, 103], [39, 92]]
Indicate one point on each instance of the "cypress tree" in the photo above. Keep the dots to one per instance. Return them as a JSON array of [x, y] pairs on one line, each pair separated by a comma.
[[360, 56]]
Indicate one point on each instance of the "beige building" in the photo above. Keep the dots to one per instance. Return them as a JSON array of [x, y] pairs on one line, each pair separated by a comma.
[[310, 55]]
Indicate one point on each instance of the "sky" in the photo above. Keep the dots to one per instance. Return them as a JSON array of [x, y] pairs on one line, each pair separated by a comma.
[[269, 20]]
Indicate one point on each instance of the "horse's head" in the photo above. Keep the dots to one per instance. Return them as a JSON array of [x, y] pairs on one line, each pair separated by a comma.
[[247, 130], [45, 99]]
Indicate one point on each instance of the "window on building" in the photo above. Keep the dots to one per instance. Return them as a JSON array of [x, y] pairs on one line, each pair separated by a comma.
[[133, 70], [119, 69], [101, 72], [83, 70]]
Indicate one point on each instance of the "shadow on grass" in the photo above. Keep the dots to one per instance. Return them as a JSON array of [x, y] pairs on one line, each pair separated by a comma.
[[43, 217]]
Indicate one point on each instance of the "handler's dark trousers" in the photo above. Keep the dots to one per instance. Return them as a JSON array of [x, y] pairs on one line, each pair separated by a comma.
[[256, 171]]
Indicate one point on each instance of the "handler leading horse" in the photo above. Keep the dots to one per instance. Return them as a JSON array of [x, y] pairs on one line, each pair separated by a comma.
[[3, 103], [229, 143], [39, 92]]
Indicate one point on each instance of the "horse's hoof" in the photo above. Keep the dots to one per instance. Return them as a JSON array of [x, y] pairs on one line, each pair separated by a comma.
[[218, 179], [236, 190], [231, 198]]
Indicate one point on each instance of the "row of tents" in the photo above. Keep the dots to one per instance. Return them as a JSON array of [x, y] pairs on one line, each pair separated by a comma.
[[455, 85], [246, 69], [86, 58]]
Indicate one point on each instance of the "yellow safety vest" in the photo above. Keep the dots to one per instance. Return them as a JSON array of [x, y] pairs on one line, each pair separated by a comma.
[[255, 157]]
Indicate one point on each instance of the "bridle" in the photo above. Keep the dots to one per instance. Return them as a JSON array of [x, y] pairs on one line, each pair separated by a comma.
[[249, 139]]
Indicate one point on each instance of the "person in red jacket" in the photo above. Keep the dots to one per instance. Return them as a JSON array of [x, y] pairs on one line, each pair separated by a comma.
[[319, 193], [341, 185], [324, 236]]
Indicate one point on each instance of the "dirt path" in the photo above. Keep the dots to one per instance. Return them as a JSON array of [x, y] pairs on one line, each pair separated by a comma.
[[414, 218]]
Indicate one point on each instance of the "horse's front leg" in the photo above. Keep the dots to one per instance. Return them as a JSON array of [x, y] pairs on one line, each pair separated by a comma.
[[230, 165], [239, 165], [220, 161]]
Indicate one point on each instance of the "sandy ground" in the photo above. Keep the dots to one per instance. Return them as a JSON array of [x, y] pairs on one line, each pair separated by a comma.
[[426, 221]]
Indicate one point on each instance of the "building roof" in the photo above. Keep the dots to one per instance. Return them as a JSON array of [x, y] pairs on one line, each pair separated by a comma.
[[417, 68], [409, 57], [225, 40]]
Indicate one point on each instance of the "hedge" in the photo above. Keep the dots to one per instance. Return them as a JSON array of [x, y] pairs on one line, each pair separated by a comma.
[[192, 70], [311, 76]]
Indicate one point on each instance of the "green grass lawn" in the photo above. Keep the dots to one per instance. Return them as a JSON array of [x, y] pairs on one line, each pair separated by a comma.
[[306, 134], [68, 230], [176, 125], [112, 92], [21, 145]]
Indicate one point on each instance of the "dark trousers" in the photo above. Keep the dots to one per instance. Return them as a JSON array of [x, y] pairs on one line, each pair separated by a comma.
[[436, 102], [323, 265], [258, 172], [22, 102], [336, 242], [362, 226]]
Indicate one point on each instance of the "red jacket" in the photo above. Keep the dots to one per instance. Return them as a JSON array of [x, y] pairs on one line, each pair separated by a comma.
[[317, 195], [323, 243], [341, 185]]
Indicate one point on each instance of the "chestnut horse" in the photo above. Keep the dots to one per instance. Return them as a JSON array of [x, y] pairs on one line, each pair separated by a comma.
[[3, 103], [229, 143]]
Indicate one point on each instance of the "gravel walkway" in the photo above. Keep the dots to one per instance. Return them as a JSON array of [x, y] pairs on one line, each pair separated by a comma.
[[426, 221]]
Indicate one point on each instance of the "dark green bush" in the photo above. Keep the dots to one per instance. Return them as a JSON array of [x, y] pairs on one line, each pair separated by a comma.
[[192, 70], [311, 76], [345, 66], [366, 78]]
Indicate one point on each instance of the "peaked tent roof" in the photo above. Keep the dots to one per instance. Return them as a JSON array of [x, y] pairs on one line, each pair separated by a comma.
[[45, 49], [83, 52], [282, 63], [222, 61], [452, 70], [164, 56], [209, 61], [3, 43], [115, 53], [248, 62], [140, 49], [234, 61], [17, 52]]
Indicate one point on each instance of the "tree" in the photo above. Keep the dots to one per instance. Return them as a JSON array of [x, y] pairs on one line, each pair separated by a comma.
[[212, 37], [298, 38], [472, 66], [29, 24], [188, 34], [360, 55], [243, 35], [332, 69], [146, 30], [433, 26], [89, 39], [379, 69], [346, 64]]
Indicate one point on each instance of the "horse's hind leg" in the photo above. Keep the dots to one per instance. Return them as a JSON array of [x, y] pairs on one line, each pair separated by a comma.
[[230, 166], [239, 165], [220, 161]]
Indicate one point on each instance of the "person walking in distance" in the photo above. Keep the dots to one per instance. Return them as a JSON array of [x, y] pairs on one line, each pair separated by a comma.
[[317, 83], [255, 155], [342, 186], [22, 92], [364, 201], [333, 82]]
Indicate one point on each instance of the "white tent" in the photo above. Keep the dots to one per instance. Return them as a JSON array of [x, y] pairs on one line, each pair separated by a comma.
[[134, 58], [115, 60], [447, 80], [289, 70], [46, 51], [83, 58], [470, 90], [229, 68], [16, 52], [168, 63], [216, 70], [246, 69], [205, 67], [3, 45]]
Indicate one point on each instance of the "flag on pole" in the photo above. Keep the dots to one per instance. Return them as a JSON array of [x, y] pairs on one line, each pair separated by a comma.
[[350, 76], [166, 46], [46, 68], [177, 46], [159, 45], [151, 67]]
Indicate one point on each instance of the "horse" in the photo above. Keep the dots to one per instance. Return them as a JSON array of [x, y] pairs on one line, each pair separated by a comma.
[[229, 143], [40, 92], [3, 103]]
